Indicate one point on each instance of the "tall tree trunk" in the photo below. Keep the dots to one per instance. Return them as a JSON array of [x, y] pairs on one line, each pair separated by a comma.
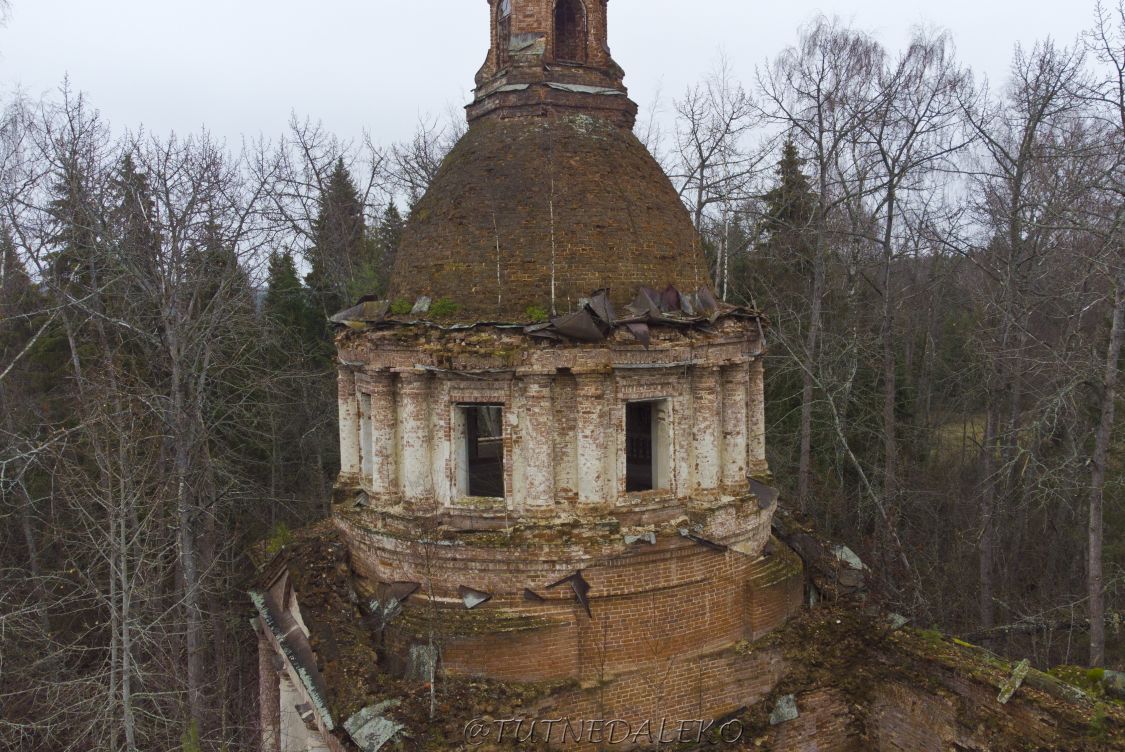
[[987, 513], [181, 424], [128, 716], [890, 387], [812, 343], [1095, 580]]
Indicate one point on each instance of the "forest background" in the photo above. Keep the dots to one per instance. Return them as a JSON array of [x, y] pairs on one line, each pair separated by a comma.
[[943, 266]]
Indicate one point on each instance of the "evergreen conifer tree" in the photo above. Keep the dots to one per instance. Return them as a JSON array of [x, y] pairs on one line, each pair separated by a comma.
[[374, 271], [287, 306], [340, 244], [132, 255], [790, 210], [389, 237]]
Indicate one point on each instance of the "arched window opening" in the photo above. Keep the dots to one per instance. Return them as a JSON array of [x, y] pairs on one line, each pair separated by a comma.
[[503, 30], [570, 31]]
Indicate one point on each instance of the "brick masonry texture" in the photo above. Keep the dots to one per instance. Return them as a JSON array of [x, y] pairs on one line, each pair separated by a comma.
[[548, 197], [524, 205]]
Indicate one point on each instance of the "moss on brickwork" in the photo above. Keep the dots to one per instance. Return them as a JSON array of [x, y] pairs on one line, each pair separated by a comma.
[[525, 206], [845, 661], [345, 648]]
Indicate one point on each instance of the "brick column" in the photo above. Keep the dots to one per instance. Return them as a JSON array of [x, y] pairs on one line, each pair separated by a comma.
[[707, 426], [414, 407], [756, 407], [538, 442], [591, 435], [384, 415], [350, 467], [736, 385], [269, 695]]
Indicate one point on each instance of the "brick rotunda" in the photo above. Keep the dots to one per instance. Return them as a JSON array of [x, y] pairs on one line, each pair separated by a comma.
[[571, 497], [554, 487]]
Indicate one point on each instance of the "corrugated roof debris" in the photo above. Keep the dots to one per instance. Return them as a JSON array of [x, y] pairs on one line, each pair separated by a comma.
[[371, 728], [784, 711], [594, 320], [717, 547], [296, 649], [473, 598], [580, 587], [582, 89], [649, 538], [1014, 682], [400, 591], [767, 495]]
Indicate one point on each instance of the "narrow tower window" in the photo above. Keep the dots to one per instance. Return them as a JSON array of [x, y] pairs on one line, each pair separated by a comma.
[[480, 450], [570, 31], [646, 446], [503, 30]]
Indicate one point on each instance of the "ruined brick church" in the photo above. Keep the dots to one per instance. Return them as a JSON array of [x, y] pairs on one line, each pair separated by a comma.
[[554, 501]]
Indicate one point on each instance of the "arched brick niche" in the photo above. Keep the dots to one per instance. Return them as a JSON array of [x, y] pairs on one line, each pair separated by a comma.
[[570, 33]]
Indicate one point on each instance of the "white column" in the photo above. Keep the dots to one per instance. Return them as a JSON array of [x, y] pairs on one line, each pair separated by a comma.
[[414, 418], [538, 443], [363, 399], [591, 434], [683, 440], [707, 426], [384, 416], [736, 384], [440, 445], [294, 735], [349, 426], [756, 409]]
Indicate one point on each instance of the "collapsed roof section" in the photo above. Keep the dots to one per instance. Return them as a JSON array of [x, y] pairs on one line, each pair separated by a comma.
[[594, 320], [845, 674]]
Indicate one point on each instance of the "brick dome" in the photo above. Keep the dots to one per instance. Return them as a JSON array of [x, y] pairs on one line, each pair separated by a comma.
[[564, 203]]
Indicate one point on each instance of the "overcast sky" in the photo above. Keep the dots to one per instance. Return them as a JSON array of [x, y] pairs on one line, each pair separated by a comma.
[[242, 66]]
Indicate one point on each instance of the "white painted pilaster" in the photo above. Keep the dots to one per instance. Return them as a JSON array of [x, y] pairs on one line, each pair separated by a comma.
[[736, 385], [707, 426], [414, 436], [349, 425], [538, 442], [756, 405], [592, 432], [384, 416]]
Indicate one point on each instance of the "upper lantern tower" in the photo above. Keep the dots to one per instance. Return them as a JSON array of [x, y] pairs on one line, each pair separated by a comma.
[[551, 55], [549, 196]]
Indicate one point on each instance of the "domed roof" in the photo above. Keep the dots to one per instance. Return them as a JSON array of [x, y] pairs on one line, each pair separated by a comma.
[[527, 211]]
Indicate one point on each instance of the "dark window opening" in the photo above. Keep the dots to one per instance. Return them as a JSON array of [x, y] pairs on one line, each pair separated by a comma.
[[503, 31], [484, 450], [640, 473], [570, 31]]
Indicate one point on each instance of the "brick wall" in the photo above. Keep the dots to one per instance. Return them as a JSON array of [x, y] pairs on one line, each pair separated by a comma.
[[825, 725], [651, 607], [520, 199], [679, 688]]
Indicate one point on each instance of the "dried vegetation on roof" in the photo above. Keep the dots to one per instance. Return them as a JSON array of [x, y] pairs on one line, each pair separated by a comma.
[[855, 650]]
